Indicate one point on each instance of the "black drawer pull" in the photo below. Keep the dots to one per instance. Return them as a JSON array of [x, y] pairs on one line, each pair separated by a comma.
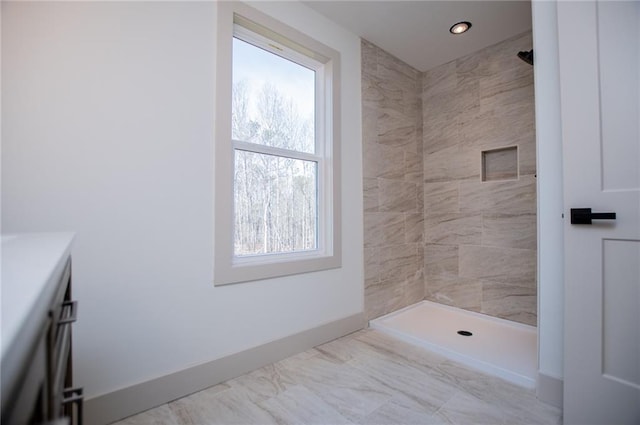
[[73, 314], [73, 396]]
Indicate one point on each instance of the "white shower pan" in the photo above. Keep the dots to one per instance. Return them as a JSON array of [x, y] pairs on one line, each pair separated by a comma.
[[499, 347]]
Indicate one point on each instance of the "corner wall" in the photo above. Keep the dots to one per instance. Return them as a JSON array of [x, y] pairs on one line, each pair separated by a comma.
[[393, 205], [480, 236]]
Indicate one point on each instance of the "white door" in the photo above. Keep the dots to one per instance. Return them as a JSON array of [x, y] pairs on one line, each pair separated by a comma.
[[599, 46]]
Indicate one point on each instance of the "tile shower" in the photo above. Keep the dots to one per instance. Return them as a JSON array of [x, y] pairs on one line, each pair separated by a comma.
[[450, 186]]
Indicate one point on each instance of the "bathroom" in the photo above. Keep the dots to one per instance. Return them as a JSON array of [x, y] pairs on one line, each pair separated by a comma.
[[109, 132]]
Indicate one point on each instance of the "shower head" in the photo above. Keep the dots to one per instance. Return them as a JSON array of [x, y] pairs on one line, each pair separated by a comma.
[[526, 56]]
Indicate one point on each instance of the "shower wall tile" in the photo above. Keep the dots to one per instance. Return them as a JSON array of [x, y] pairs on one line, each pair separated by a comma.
[[369, 58], [369, 127], [480, 237], [440, 130], [393, 177], [381, 161], [509, 230], [440, 260], [398, 196], [455, 291], [457, 162], [382, 298], [414, 228], [453, 229], [511, 302], [440, 81], [506, 265], [517, 196], [370, 195], [441, 197], [413, 167], [396, 129], [371, 266]]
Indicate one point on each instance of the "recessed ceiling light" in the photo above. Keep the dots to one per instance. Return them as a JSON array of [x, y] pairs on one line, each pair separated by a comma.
[[460, 27]]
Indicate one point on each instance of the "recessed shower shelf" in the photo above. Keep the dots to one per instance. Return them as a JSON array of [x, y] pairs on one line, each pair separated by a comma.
[[500, 164]]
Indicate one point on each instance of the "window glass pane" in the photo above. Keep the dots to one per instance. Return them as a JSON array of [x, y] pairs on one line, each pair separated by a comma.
[[273, 99], [275, 204]]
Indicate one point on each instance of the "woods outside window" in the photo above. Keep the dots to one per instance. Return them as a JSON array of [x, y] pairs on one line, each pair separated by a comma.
[[277, 179]]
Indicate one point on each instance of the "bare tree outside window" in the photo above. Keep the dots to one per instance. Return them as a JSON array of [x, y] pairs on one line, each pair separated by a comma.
[[275, 193]]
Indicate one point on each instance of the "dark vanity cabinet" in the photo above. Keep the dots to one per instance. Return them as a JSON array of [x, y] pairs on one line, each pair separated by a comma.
[[37, 372]]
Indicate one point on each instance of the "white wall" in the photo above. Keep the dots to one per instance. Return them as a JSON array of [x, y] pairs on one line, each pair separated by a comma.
[[107, 114], [550, 196]]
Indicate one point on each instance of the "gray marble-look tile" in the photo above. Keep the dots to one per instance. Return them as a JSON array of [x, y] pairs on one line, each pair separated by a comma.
[[383, 94], [392, 69], [397, 196], [406, 411], [371, 266], [517, 403], [511, 197], [441, 197], [396, 129], [440, 80], [509, 230], [369, 127], [370, 194], [500, 164], [299, 405], [383, 229], [383, 297], [441, 130], [398, 262], [457, 162], [383, 161], [414, 228], [369, 57], [414, 287], [455, 291], [352, 394], [231, 406], [413, 168], [161, 415], [506, 265], [407, 379], [453, 229], [463, 408], [366, 377], [440, 260], [511, 302]]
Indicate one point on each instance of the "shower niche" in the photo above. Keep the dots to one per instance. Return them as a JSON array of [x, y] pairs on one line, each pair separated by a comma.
[[500, 164]]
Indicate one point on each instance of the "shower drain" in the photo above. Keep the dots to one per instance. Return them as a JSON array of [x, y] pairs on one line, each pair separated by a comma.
[[464, 333]]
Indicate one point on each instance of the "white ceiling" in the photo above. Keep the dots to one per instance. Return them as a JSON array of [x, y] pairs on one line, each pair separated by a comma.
[[417, 32]]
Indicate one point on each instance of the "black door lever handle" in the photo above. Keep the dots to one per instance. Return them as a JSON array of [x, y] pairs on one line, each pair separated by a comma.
[[584, 216]]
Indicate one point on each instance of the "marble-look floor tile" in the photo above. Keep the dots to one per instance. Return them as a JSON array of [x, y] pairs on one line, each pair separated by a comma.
[[463, 408], [299, 405], [162, 415], [366, 378]]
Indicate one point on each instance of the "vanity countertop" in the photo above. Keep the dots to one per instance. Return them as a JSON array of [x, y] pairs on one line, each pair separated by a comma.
[[31, 264]]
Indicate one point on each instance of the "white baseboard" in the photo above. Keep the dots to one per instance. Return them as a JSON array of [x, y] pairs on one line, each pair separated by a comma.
[[107, 408], [550, 390]]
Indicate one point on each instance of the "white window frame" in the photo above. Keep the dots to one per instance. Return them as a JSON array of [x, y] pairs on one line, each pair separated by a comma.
[[248, 24]]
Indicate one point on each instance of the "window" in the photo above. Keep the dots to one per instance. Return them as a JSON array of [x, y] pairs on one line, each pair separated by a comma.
[[277, 132]]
